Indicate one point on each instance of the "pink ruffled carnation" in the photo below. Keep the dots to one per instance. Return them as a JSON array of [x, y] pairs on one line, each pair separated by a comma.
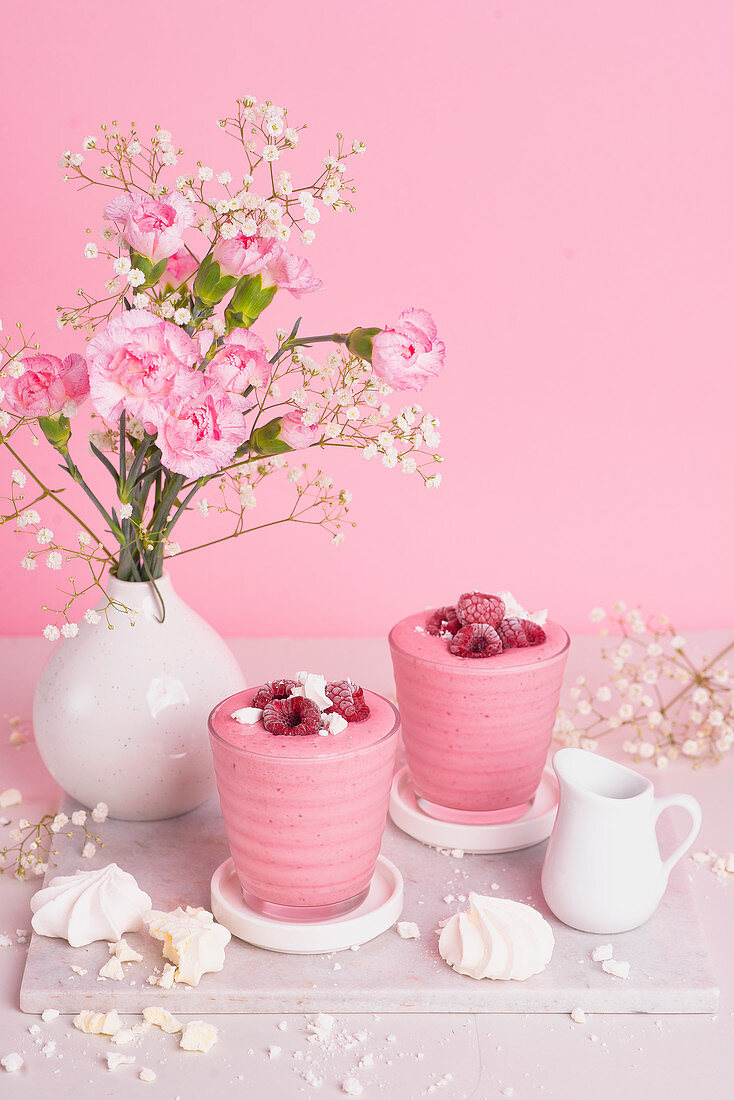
[[134, 364], [297, 434], [241, 363], [153, 227], [290, 272], [407, 354], [200, 433], [241, 255], [179, 267], [48, 385]]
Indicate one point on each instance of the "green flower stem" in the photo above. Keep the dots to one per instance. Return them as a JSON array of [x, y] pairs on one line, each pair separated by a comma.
[[75, 474]]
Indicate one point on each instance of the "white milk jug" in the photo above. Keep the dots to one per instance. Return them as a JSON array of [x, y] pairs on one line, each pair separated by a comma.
[[603, 871]]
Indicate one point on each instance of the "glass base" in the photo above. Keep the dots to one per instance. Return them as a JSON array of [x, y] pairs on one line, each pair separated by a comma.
[[473, 817], [303, 914]]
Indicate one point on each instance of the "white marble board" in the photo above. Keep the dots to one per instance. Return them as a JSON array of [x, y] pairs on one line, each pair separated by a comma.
[[174, 860]]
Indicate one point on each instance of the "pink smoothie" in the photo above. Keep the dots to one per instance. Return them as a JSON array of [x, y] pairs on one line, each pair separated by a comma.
[[476, 730], [304, 815]]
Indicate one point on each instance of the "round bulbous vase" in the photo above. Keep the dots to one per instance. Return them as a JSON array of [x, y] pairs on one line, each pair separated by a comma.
[[120, 712]]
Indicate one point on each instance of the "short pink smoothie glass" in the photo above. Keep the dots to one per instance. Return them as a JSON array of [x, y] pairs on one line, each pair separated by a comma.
[[476, 730], [304, 815]]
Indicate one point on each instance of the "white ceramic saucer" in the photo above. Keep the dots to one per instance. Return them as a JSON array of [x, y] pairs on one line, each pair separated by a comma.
[[378, 912], [535, 825]]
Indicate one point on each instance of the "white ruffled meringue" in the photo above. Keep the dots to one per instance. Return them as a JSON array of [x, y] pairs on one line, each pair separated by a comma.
[[497, 938], [90, 905]]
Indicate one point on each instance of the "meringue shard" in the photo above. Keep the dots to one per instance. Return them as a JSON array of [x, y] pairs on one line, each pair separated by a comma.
[[102, 904], [497, 938]]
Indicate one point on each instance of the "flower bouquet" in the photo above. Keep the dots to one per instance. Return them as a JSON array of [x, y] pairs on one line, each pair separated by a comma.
[[184, 394]]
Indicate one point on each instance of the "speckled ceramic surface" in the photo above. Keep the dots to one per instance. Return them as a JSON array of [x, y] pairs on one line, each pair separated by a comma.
[[174, 861]]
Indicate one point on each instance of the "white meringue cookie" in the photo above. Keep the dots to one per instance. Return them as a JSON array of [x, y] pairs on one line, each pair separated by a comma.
[[497, 938], [102, 904], [192, 941]]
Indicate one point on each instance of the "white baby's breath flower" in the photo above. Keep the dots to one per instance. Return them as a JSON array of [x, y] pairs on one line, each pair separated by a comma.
[[125, 510], [135, 277], [79, 817], [338, 538], [100, 812], [645, 749], [88, 850], [91, 616], [70, 630], [29, 562], [308, 237], [433, 482], [182, 316], [122, 265], [54, 560], [690, 748], [359, 147], [271, 153], [83, 538], [44, 536], [58, 823], [205, 173], [203, 506], [247, 497], [90, 142], [677, 642], [91, 251], [603, 694], [51, 633], [597, 614]]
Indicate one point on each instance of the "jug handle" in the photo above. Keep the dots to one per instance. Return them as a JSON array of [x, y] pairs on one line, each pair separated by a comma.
[[686, 802]]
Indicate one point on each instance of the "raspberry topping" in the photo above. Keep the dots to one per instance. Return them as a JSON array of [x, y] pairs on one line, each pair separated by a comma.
[[274, 689], [348, 700], [477, 607], [476, 640], [295, 716], [534, 633], [512, 634], [443, 621]]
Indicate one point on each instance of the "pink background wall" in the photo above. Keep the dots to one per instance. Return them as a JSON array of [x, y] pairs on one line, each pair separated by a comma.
[[553, 180]]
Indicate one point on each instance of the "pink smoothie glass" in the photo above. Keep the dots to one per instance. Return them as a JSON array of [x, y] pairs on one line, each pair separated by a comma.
[[476, 730], [304, 815]]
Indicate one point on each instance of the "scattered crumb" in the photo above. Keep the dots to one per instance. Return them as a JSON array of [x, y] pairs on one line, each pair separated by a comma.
[[352, 1087], [601, 953], [48, 1048], [112, 969], [114, 1059], [408, 930], [124, 952], [98, 1023], [5, 941], [578, 1016], [449, 898], [11, 1063], [148, 1075], [198, 1035], [495, 886], [337, 966], [616, 969], [34, 1029], [49, 1014], [78, 970], [457, 853], [162, 1018], [124, 1036], [366, 1061], [274, 1051], [283, 1025], [10, 797]]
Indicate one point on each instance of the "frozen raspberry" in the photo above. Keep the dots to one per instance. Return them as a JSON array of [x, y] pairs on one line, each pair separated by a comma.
[[534, 633], [476, 607], [476, 640], [295, 716], [443, 621], [274, 689], [512, 634], [348, 700]]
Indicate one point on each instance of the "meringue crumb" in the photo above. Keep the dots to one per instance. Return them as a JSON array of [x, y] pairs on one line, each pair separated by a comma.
[[601, 953], [199, 1035], [162, 1018], [457, 853], [283, 1025], [49, 1014], [98, 1023], [11, 1063], [78, 970], [616, 969], [578, 1016], [124, 952], [112, 969], [495, 886], [274, 1051], [34, 1029], [49, 1048], [248, 716], [449, 898], [124, 1036], [367, 1061], [408, 930], [8, 798], [114, 1059], [702, 857], [352, 1087], [148, 1075]]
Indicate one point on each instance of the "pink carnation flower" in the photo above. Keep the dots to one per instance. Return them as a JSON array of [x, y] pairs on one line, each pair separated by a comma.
[[408, 354], [153, 227], [200, 433], [134, 364], [297, 434], [48, 384], [179, 267], [290, 272], [240, 363], [241, 255]]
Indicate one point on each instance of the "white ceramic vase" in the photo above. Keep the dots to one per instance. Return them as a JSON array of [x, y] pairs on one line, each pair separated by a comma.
[[120, 715]]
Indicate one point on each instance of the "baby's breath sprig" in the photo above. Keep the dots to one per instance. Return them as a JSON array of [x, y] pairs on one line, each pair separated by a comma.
[[669, 701], [32, 851]]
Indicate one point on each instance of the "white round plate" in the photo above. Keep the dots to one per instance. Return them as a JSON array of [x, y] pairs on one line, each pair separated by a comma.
[[531, 828], [378, 912]]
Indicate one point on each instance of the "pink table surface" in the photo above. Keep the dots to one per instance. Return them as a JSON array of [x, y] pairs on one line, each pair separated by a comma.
[[485, 1056]]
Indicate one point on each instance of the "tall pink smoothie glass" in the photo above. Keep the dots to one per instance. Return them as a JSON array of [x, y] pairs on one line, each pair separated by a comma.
[[304, 815], [476, 730]]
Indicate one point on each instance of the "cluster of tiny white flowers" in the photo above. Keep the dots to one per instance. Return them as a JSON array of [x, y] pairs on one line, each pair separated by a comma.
[[31, 850], [668, 701]]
